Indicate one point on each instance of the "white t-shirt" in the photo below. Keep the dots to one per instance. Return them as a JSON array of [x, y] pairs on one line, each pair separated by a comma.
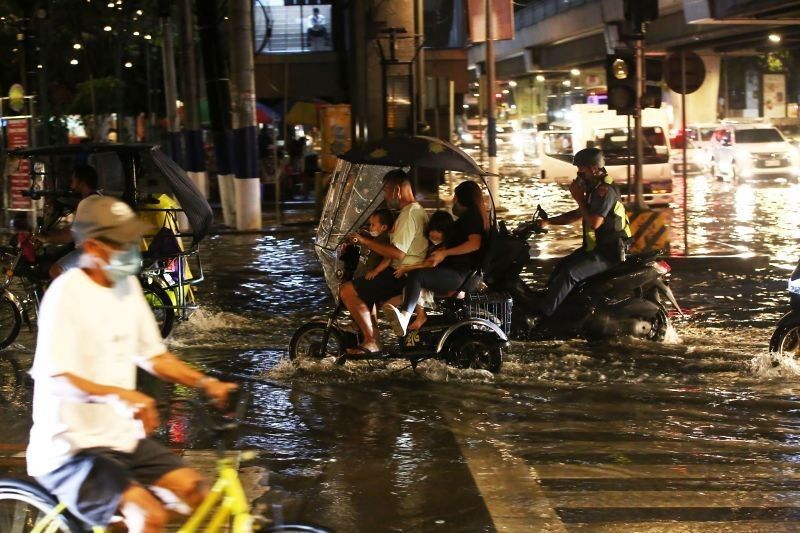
[[99, 334]]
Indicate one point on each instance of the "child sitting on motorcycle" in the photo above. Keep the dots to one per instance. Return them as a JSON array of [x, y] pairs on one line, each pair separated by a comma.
[[380, 222], [439, 227]]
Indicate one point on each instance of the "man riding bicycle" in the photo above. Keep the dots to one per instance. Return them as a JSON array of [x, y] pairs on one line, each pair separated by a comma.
[[89, 445]]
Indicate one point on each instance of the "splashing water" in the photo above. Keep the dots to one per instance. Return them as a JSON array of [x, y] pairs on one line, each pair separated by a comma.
[[774, 365]]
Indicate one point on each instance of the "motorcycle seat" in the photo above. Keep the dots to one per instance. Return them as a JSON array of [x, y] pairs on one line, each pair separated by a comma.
[[632, 262]]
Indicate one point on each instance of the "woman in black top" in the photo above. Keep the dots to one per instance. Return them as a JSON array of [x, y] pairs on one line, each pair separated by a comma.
[[447, 268]]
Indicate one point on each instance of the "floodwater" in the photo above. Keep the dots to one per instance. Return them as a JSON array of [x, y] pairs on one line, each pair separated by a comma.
[[696, 434]]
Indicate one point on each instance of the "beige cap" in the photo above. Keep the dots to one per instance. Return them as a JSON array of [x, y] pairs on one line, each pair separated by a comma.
[[106, 218]]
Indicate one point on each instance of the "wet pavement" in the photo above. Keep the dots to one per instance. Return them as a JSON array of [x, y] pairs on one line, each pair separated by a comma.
[[697, 434]]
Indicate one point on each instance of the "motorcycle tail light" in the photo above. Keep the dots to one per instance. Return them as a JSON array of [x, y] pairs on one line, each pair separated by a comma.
[[662, 267]]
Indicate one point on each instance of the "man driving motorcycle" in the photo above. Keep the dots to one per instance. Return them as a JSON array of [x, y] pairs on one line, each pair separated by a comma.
[[606, 229]]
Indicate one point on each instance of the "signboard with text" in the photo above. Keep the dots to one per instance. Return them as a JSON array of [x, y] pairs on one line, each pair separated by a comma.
[[774, 95], [18, 170]]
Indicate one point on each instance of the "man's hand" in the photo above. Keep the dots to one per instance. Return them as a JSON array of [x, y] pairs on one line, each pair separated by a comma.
[[437, 256], [218, 391], [577, 190], [371, 274], [143, 407]]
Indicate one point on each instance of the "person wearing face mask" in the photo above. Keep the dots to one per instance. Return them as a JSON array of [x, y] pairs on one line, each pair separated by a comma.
[[448, 267], [89, 443], [439, 229], [380, 222], [407, 246], [606, 229]]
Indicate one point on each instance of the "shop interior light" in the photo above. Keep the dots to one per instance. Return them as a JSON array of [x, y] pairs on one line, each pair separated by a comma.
[[539, 77], [575, 72]]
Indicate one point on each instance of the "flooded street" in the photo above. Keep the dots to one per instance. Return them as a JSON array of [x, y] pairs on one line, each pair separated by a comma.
[[697, 434]]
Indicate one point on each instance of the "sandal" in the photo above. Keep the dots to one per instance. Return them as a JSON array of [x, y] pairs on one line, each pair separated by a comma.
[[364, 352]]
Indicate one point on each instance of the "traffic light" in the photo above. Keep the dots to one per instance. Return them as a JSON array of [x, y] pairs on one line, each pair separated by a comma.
[[654, 69], [621, 81]]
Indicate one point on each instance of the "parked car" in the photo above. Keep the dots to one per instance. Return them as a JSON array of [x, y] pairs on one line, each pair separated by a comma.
[[701, 134], [751, 150], [696, 158]]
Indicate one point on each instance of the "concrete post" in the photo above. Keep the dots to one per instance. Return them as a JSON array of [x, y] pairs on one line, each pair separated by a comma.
[[195, 164], [219, 102], [491, 104], [247, 185], [640, 80], [171, 90]]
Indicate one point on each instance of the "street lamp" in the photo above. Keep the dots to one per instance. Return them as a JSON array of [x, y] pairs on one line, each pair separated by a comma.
[[512, 83], [107, 28], [539, 77], [128, 64], [575, 72], [73, 62], [774, 37], [76, 46]]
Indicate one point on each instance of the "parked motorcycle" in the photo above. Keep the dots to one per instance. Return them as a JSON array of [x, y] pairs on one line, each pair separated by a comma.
[[627, 300], [785, 341]]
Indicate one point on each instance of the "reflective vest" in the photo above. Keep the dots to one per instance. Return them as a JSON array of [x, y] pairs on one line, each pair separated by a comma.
[[615, 227]]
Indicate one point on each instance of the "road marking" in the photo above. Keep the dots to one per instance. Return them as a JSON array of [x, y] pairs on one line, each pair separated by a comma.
[[508, 486]]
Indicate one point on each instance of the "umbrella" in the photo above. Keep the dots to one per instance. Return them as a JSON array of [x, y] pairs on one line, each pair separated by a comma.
[[418, 151], [304, 113], [265, 115]]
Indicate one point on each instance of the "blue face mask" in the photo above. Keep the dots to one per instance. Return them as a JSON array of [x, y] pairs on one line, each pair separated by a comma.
[[123, 263]]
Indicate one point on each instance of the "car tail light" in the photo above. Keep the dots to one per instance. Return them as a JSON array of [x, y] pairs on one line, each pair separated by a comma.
[[662, 267]]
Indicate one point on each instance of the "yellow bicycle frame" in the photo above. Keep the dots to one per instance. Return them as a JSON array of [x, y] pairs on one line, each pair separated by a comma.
[[225, 500], [228, 496]]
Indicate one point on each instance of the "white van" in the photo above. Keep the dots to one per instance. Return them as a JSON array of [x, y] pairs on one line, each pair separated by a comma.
[[594, 125]]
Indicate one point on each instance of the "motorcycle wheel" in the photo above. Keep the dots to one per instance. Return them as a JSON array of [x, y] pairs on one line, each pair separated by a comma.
[[786, 342], [10, 321], [306, 343], [476, 350], [660, 324], [162, 306]]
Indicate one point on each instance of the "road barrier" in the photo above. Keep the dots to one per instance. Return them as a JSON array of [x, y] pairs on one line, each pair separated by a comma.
[[650, 231]]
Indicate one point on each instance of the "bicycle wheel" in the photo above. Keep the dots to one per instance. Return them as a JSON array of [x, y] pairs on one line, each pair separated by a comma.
[[162, 307], [24, 503], [10, 321]]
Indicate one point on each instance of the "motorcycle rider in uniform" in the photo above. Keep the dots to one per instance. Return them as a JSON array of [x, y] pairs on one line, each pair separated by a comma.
[[606, 229]]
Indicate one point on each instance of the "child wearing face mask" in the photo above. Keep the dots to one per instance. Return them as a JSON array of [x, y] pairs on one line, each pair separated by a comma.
[[439, 226], [380, 222]]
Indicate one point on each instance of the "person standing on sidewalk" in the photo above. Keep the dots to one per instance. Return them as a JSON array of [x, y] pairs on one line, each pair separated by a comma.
[[89, 443]]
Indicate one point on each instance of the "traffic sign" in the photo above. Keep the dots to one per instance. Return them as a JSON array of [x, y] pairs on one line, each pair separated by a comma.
[[695, 72]]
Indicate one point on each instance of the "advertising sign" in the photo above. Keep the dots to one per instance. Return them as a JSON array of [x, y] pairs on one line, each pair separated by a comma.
[[774, 99], [502, 17], [335, 130], [16, 97], [18, 170]]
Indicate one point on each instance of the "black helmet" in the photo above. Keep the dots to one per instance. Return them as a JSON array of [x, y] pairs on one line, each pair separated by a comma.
[[588, 157]]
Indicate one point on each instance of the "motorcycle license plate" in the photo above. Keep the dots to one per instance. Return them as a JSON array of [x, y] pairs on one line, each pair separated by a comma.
[[772, 163]]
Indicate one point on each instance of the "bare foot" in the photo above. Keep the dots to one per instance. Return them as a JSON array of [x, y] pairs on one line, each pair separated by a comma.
[[418, 323]]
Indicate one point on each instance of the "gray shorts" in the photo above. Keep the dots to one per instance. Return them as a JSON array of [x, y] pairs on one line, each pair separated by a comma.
[[91, 483]]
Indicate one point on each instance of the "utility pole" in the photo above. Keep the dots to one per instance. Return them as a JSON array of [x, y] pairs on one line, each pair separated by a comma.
[[419, 22], [170, 83], [247, 185], [637, 117], [491, 105], [195, 165], [219, 102]]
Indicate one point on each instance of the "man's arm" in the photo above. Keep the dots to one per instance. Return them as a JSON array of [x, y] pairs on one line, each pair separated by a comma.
[[385, 250], [143, 406], [564, 219], [169, 368]]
